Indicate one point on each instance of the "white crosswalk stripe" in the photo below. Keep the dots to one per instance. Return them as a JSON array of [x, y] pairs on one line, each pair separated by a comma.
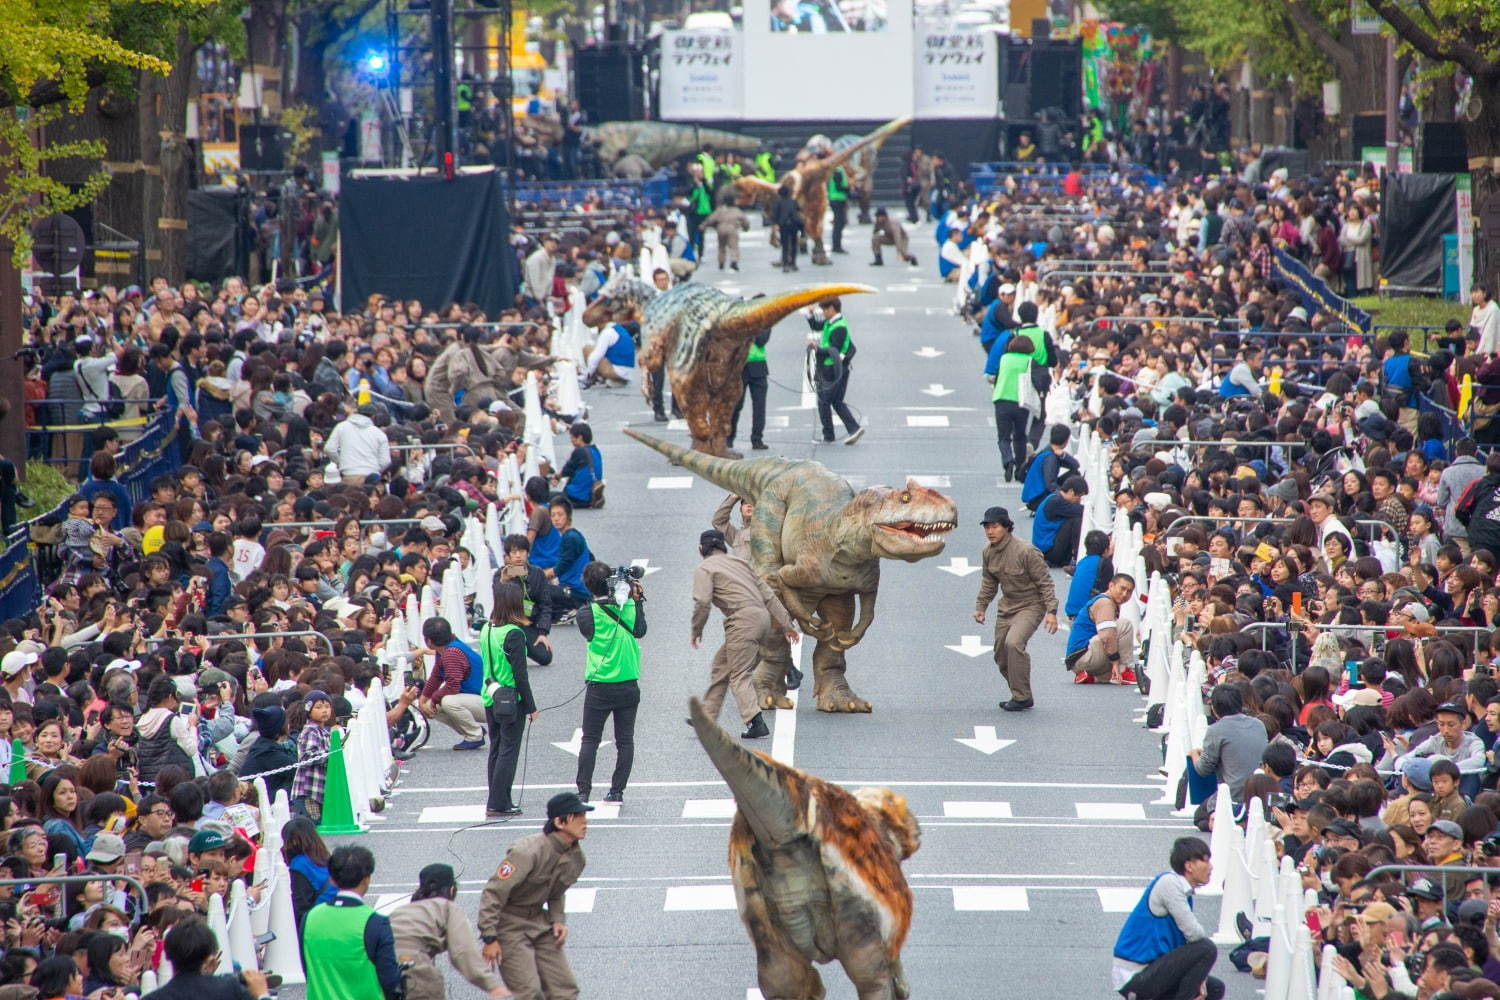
[[708, 809], [990, 898], [1110, 810], [977, 810], [1118, 899], [699, 897]]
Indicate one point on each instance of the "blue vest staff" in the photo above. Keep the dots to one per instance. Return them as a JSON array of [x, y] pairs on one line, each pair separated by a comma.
[[1163, 952]]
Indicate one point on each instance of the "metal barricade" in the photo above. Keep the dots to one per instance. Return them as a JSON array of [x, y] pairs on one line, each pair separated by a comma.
[[131, 880], [1194, 518], [224, 637]]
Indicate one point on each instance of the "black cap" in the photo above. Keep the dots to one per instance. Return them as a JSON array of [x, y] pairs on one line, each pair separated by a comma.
[[713, 538], [1343, 828], [1423, 889], [997, 515], [566, 804], [1453, 708]]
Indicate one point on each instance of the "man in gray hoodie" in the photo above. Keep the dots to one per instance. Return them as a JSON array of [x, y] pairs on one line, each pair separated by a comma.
[[1451, 485], [1233, 745]]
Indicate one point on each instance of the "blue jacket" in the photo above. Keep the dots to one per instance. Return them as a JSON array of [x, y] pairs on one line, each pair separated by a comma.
[[1145, 937], [996, 318], [1054, 510], [585, 467], [1397, 371], [1042, 475], [1082, 587], [219, 586]]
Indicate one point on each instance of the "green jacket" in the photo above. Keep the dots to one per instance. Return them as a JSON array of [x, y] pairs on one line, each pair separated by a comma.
[[838, 185]]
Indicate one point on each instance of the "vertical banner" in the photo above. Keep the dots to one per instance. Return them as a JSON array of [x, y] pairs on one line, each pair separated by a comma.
[[957, 74], [702, 75], [1463, 203]]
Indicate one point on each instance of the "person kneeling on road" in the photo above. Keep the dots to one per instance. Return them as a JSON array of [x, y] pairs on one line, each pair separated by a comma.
[[1163, 952], [1059, 518], [521, 916], [452, 692], [431, 924], [1101, 646]]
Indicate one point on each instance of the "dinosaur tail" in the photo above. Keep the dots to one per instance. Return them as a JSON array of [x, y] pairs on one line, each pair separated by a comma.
[[763, 789], [748, 318], [742, 477], [876, 138]]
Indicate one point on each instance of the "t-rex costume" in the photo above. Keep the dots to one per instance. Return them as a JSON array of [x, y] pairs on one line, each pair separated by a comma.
[[659, 143], [704, 335], [860, 168], [809, 180], [817, 872], [818, 545]]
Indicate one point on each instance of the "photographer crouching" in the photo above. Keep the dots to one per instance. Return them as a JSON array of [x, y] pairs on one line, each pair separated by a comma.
[[613, 622]]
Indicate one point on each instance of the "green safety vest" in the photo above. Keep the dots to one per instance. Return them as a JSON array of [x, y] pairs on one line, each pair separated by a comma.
[[756, 353], [333, 949], [699, 199], [764, 168], [496, 667], [613, 654], [708, 165], [838, 185], [464, 96], [1013, 367], [836, 325], [732, 171], [1038, 338]]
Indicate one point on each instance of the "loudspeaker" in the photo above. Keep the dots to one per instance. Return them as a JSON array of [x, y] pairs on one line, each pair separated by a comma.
[[1041, 28], [609, 82], [1444, 149], [1367, 130], [1014, 74], [261, 148], [1057, 76]]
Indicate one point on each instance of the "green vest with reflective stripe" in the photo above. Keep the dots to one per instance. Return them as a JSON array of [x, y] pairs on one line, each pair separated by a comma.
[[1038, 338], [496, 667], [613, 655], [699, 200], [830, 327], [732, 170], [757, 352], [838, 185], [333, 948], [708, 165], [764, 168], [464, 97]]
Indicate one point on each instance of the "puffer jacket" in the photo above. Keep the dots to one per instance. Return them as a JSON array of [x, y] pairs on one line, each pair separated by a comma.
[[358, 447], [165, 738]]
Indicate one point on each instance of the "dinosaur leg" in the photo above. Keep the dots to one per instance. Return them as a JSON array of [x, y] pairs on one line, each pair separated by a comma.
[[784, 973], [819, 255], [831, 690], [851, 638], [872, 974], [770, 672]]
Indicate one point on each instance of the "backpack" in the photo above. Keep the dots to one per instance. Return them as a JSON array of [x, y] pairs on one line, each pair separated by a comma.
[[1420, 374], [1464, 509], [112, 406]]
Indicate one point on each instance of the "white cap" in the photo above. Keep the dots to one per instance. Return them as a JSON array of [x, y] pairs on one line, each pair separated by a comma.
[[259, 460], [433, 525], [1007, 289], [16, 661]]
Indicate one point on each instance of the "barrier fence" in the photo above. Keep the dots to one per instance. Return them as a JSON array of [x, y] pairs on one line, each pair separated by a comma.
[[26, 566]]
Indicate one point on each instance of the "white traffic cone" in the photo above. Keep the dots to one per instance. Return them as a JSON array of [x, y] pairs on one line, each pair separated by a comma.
[[265, 871], [1265, 902], [283, 953], [1236, 894], [149, 982], [1218, 842], [1301, 985], [219, 924], [241, 934], [1329, 981], [1279, 957], [164, 971]]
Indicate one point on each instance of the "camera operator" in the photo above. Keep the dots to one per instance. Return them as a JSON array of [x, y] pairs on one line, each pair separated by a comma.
[[613, 622]]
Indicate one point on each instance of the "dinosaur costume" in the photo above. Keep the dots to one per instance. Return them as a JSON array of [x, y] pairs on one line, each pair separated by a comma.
[[809, 180], [704, 335], [818, 544], [817, 872], [659, 143], [861, 167]]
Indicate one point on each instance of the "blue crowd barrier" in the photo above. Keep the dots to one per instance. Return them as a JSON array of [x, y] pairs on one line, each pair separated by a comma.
[[651, 192]]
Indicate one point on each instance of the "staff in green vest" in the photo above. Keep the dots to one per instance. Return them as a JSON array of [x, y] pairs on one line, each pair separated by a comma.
[[193, 948], [838, 200], [700, 203], [1010, 415], [613, 625], [706, 161], [347, 948], [756, 376], [835, 351], [765, 167], [506, 694]]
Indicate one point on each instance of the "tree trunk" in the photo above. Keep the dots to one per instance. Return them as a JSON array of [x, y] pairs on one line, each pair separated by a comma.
[[165, 149], [1482, 131], [1262, 110], [12, 373], [264, 36]]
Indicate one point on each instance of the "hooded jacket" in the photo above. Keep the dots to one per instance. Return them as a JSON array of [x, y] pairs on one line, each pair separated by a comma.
[[165, 738], [358, 447]]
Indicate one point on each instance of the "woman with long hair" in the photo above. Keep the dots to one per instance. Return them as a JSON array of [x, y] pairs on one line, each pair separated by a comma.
[[50, 742], [306, 855], [431, 924], [112, 965], [60, 809], [506, 693]]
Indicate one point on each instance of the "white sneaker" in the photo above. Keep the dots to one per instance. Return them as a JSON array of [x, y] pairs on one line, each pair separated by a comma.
[[855, 435]]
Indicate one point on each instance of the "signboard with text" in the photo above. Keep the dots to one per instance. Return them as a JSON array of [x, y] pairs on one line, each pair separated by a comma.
[[956, 73], [702, 75]]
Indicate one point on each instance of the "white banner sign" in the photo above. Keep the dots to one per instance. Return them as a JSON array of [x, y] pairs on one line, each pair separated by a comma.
[[1463, 202], [702, 75], [956, 74]]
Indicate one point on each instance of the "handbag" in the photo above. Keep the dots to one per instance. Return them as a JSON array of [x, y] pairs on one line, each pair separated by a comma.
[[503, 700]]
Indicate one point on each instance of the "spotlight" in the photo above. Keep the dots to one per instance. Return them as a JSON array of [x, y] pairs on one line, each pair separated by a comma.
[[375, 62]]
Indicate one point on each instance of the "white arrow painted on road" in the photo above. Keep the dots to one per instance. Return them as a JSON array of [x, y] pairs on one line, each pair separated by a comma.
[[928, 352], [969, 645], [937, 389], [576, 743], [644, 564], [984, 740], [959, 566]]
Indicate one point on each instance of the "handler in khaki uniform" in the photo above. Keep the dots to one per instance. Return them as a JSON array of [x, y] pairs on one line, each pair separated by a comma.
[[730, 584], [1019, 571], [521, 917], [775, 650], [431, 924]]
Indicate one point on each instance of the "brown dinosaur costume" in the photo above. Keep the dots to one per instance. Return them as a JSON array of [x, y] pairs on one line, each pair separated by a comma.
[[817, 872], [818, 545], [809, 180], [861, 167], [703, 336]]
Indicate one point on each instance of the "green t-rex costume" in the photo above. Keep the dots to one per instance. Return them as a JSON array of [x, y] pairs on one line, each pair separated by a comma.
[[818, 545], [817, 872]]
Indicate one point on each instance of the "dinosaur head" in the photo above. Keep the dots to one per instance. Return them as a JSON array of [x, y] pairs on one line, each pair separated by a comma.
[[894, 819], [619, 294], [910, 523]]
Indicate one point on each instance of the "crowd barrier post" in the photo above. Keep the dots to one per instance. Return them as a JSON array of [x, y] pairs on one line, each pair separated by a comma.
[[218, 922], [1220, 843], [241, 937], [1237, 898]]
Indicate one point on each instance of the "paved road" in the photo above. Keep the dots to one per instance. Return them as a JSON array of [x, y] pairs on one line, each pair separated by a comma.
[[1031, 852]]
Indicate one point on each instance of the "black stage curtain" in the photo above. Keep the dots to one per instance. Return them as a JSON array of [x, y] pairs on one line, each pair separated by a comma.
[[1418, 212]]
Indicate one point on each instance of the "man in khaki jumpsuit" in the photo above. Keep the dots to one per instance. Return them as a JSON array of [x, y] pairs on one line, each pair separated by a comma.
[[521, 916], [1019, 572], [729, 583], [774, 650]]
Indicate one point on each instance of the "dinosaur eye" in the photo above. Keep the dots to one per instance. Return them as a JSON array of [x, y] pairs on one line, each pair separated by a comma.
[[906, 496]]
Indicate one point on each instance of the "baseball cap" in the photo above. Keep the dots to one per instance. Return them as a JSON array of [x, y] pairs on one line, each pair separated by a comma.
[[1421, 614], [1472, 911], [433, 525], [998, 515], [107, 847], [1453, 708], [1448, 828], [1342, 828], [711, 538], [1418, 770], [1377, 912], [206, 840], [1322, 498], [1423, 889], [566, 804], [1007, 289], [16, 661]]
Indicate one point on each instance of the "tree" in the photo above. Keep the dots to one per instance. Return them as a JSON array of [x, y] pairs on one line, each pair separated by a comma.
[[1465, 33]]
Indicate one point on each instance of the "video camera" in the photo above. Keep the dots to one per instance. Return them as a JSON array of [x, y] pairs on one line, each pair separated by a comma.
[[623, 579]]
